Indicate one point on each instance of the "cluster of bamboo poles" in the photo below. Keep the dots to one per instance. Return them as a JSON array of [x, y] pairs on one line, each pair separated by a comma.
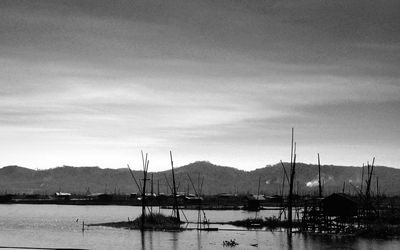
[[142, 188], [201, 220], [291, 177]]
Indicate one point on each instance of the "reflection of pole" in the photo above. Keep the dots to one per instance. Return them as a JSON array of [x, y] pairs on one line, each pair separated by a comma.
[[142, 240], [290, 241], [176, 208]]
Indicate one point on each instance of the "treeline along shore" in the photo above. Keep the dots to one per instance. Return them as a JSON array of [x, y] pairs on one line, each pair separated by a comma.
[[189, 201], [208, 202]]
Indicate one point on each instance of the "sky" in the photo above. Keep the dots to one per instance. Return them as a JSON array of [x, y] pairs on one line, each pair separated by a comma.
[[92, 83]]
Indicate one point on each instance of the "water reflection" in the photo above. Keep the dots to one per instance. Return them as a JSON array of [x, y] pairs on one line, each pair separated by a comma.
[[142, 240], [198, 240], [39, 226], [175, 240], [150, 240], [289, 240]]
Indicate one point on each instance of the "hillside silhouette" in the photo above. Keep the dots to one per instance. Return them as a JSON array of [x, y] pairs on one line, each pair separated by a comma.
[[217, 179]]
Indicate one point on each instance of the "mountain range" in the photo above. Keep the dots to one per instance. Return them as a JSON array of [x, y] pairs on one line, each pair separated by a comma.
[[215, 179]]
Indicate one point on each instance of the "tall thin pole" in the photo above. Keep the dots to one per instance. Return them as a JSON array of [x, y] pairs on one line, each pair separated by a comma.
[[292, 172], [158, 187], [152, 182], [152, 193], [369, 179], [145, 167], [133, 177], [377, 186], [176, 208], [283, 184], [319, 177], [362, 179], [285, 177], [290, 199]]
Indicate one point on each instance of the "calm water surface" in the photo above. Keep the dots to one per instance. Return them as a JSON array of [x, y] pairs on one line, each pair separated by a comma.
[[60, 226]]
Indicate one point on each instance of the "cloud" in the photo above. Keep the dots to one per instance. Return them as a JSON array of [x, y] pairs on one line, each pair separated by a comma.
[[210, 78]]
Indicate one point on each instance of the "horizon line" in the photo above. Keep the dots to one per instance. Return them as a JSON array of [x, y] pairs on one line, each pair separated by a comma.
[[266, 166]]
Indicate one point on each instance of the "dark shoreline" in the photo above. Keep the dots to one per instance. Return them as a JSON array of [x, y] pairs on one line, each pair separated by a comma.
[[82, 202]]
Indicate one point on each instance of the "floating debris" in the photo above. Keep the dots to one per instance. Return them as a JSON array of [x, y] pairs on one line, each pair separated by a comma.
[[230, 243]]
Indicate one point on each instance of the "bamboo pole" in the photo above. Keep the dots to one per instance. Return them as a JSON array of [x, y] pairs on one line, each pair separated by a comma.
[[158, 187], [319, 178], [290, 199], [145, 168], [377, 186], [176, 207], [284, 171], [197, 195], [369, 179], [152, 192], [362, 179], [170, 188], [292, 173], [133, 177]]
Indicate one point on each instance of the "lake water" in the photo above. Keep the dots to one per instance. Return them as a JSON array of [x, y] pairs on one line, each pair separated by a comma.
[[59, 226]]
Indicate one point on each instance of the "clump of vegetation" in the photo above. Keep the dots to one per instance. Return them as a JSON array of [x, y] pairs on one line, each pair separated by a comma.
[[230, 243], [269, 222], [152, 222], [249, 222]]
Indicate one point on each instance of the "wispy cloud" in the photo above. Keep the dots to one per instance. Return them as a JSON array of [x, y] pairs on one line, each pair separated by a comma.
[[91, 82]]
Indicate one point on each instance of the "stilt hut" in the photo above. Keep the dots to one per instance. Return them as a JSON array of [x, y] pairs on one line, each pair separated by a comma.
[[339, 205], [254, 202]]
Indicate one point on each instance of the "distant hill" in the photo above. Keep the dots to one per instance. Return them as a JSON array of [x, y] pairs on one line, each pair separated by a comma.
[[217, 179]]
